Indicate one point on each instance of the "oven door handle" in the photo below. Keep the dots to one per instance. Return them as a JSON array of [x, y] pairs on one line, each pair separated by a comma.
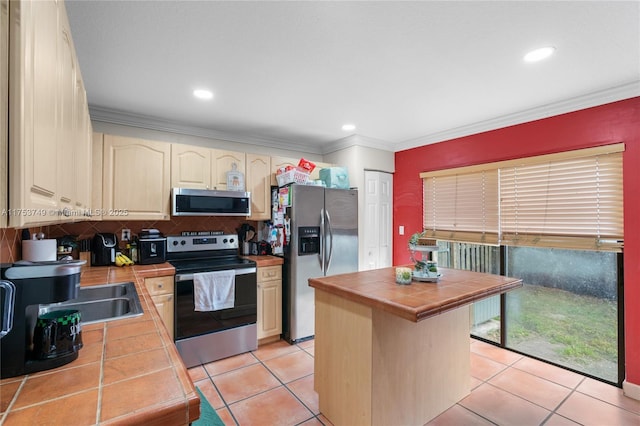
[[189, 277]]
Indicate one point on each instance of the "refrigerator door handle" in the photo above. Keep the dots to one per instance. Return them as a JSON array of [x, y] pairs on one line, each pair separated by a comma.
[[321, 253], [330, 241]]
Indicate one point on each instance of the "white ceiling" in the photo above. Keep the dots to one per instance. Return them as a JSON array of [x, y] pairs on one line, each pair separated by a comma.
[[405, 73]]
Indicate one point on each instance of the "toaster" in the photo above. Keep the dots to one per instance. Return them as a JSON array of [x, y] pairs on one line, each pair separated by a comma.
[[152, 247]]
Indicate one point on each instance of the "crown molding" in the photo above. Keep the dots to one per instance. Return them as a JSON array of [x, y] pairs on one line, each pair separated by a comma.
[[602, 97], [618, 93], [106, 115], [359, 140]]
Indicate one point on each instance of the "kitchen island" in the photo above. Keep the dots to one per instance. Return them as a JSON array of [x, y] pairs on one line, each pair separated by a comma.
[[128, 371], [395, 354]]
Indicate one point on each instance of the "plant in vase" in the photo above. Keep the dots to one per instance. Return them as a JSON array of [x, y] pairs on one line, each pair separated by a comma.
[[420, 255], [420, 265]]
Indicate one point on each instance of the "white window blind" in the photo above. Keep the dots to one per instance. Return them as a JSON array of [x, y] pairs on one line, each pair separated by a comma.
[[462, 206], [567, 200], [572, 203]]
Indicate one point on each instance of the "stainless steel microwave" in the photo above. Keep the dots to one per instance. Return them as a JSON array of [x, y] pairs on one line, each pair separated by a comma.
[[206, 202]]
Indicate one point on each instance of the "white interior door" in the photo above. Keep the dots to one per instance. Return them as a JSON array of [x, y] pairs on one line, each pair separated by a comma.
[[378, 201]]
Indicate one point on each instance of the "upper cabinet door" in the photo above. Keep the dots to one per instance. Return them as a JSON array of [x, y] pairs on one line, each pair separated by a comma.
[[190, 166], [47, 140], [136, 179], [258, 182], [4, 106], [32, 112], [222, 162], [97, 145], [84, 150], [67, 130]]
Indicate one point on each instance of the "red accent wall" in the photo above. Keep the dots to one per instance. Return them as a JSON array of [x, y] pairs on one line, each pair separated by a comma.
[[601, 125]]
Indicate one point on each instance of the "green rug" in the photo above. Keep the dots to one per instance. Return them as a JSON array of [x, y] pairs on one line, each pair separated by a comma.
[[208, 416]]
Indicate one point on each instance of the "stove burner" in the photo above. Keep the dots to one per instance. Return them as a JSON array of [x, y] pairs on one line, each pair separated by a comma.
[[200, 233]]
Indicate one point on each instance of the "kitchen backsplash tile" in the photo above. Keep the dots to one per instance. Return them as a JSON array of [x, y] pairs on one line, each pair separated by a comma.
[[8, 244], [10, 247]]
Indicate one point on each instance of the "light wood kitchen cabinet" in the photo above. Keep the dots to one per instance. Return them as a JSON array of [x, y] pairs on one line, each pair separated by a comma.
[[96, 175], [258, 182], [136, 179], [190, 166], [33, 147], [45, 113], [269, 303], [84, 156], [66, 130], [198, 167], [4, 107], [222, 162], [161, 290]]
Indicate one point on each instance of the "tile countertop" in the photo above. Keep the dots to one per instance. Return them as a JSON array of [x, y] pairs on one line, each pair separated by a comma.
[[128, 371], [419, 300], [263, 261]]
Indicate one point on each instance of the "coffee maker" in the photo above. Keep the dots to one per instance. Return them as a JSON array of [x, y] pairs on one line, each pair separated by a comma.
[[24, 286]]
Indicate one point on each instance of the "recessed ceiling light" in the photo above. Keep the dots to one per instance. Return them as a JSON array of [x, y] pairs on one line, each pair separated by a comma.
[[539, 54], [348, 127], [202, 94]]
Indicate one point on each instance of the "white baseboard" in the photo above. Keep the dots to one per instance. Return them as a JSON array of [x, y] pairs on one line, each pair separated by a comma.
[[631, 390]]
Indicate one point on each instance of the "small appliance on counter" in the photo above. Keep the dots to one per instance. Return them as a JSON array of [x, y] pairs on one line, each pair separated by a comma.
[[263, 248], [39, 250], [246, 233], [24, 286], [152, 247], [103, 249]]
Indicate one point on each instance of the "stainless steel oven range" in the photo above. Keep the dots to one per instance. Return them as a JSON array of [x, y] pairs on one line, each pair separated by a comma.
[[207, 336]]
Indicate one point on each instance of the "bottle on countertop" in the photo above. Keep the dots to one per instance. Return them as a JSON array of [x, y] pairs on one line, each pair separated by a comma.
[[133, 250]]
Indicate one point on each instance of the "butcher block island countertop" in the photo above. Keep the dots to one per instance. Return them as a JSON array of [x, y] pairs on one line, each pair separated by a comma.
[[395, 354], [128, 371]]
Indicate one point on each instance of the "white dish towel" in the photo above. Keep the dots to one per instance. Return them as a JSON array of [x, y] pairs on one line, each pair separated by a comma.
[[214, 290]]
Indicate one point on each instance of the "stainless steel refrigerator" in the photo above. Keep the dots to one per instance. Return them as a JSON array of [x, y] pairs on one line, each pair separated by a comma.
[[323, 241]]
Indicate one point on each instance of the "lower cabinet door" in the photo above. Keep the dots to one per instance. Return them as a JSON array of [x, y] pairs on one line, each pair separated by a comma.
[[269, 309], [164, 305]]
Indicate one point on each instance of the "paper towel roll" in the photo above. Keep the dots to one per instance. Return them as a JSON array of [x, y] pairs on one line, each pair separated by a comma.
[[39, 250]]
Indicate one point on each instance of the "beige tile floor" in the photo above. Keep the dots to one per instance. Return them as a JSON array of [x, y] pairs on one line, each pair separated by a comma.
[[274, 386]]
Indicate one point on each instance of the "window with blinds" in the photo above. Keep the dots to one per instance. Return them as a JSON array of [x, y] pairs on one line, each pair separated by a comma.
[[566, 200], [462, 206]]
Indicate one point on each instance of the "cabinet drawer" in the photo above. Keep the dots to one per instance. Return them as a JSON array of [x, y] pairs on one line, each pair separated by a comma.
[[269, 273], [159, 285]]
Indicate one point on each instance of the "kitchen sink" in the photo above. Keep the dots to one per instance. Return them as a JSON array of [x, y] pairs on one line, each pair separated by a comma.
[[102, 303], [107, 291]]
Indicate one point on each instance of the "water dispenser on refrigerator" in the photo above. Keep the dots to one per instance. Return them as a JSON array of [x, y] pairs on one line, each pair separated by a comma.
[[308, 240]]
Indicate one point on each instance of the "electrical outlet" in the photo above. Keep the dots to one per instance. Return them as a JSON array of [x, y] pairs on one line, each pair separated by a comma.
[[401, 230], [126, 234]]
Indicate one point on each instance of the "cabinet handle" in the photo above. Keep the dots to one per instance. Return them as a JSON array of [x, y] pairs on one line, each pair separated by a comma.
[[159, 285]]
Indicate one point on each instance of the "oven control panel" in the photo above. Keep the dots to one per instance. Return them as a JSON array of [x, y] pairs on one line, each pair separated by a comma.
[[182, 243]]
